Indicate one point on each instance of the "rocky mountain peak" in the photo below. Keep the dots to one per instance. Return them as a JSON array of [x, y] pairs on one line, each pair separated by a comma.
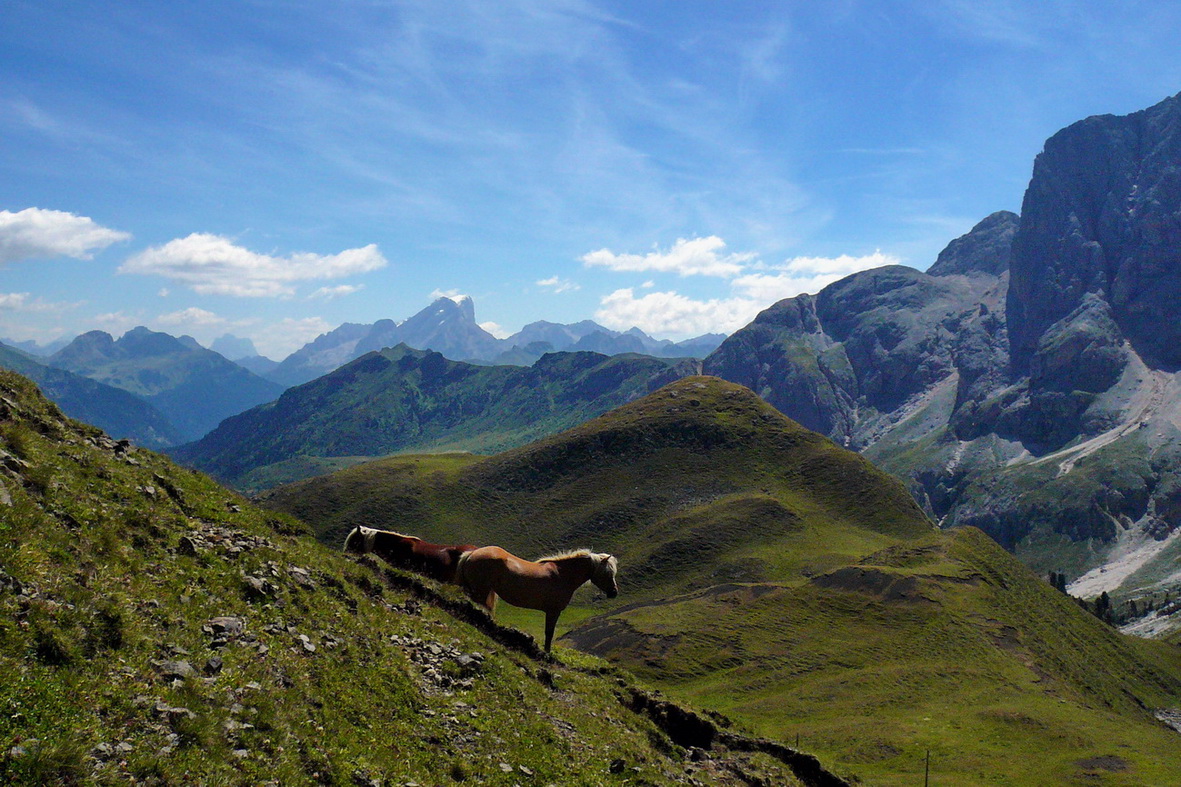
[[984, 249], [1101, 217]]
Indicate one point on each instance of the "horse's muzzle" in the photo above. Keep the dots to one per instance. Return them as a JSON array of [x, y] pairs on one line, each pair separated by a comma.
[[613, 594]]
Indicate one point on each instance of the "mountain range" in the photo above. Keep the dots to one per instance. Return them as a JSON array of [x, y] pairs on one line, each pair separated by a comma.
[[448, 326], [119, 413], [1056, 433], [401, 398], [773, 576], [1027, 382], [193, 387]]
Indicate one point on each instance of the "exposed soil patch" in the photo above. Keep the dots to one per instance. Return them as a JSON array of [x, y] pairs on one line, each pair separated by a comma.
[[1106, 762], [871, 582]]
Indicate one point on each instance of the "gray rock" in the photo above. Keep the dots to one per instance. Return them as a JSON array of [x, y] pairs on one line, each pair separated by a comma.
[[983, 250]]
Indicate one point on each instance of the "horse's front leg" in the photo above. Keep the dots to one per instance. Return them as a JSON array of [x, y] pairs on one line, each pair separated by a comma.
[[551, 620]]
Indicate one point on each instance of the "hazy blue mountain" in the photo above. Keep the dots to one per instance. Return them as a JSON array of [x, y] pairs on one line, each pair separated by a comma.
[[115, 411], [193, 387], [448, 326], [34, 348], [233, 347]]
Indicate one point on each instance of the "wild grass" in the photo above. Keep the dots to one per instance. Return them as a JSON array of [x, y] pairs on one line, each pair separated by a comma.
[[767, 574], [113, 572]]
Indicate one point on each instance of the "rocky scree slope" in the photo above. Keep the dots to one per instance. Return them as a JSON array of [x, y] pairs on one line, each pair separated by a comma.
[[768, 573], [1026, 384], [156, 628]]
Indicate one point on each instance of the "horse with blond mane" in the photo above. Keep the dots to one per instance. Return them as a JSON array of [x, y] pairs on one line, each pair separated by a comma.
[[546, 584], [437, 561]]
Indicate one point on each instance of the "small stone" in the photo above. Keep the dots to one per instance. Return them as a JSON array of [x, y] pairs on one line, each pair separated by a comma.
[[504, 766], [617, 765], [123, 747], [213, 665], [175, 669], [226, 625], [524, 770]]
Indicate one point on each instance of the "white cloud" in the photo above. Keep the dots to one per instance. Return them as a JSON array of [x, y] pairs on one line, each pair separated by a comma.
[[558, 285], [164, 292], [805, 274], [214, 265], [286, 336], [21, 302], [670, 313], [35, 233], [116, 323], [339, 291], [191, 316], [700, 257], [495, 330], [454, 295]]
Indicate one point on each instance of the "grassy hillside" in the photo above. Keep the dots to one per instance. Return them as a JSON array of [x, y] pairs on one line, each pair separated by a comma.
[[399, 399], [701, 469], [158, 629], [767, 573]]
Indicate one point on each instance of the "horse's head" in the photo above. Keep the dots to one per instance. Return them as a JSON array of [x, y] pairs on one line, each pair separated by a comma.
[[603, 575], [359, 540]]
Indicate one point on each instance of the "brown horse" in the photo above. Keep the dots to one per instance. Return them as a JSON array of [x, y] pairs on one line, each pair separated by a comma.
[[437, 561], [547, 584]]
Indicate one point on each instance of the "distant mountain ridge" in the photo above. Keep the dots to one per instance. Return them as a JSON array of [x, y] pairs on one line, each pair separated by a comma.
[[193, 387], [1026, 383], [119, 413], [401, 398], [448, 326]]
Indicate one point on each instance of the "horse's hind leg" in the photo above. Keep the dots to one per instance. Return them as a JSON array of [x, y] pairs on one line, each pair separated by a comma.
[[490, 602]]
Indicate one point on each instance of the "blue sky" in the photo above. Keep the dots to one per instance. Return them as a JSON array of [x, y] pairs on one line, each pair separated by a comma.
[[273, 169]]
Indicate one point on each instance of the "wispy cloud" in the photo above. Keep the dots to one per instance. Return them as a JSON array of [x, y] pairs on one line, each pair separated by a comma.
[[700, 257], [670, 313], [214, 265], [496, 330], [36, 233], [280, 339], [557, 284], [332, 293], [25, 302], [760, 285], [192, 316]]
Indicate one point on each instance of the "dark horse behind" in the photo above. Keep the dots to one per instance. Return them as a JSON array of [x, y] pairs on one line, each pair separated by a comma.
[[437, 561]]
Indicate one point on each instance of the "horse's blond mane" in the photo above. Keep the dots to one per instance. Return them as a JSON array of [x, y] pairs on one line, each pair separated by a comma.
[[584, 552]]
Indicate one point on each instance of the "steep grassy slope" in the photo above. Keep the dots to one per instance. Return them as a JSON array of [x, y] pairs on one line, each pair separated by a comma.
[[767, 573], [156, 628], [119, 413], [701, 469], [399, 399]]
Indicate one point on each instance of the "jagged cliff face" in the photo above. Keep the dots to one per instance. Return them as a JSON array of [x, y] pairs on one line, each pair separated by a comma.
[[849, 361], [1101, 220], [1026, 383]]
